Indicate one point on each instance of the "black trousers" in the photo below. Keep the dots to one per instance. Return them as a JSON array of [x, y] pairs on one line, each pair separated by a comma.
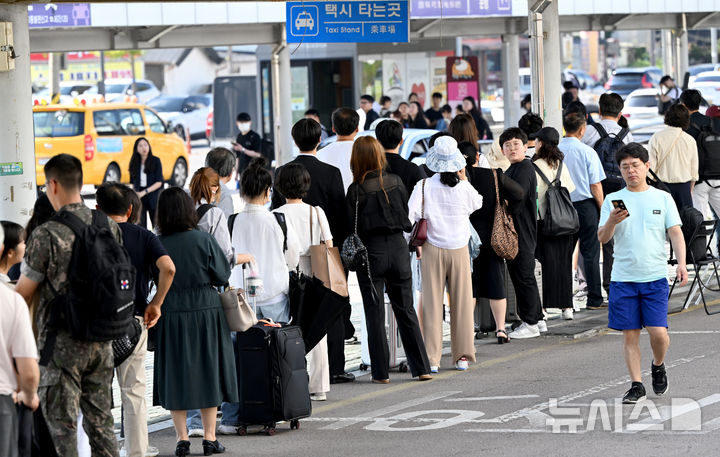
[[522, 275], [590, 248], [390, 271], [681, 194], [555, 255], [336, 346], [608, 252]]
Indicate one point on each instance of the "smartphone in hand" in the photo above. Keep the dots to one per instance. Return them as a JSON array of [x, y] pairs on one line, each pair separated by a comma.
[[619, 204]]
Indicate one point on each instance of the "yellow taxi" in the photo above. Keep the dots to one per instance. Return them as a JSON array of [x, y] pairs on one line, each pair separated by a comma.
[[102, 136]]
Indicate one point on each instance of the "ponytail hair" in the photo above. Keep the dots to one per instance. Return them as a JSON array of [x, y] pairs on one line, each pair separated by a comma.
[[449, 178]]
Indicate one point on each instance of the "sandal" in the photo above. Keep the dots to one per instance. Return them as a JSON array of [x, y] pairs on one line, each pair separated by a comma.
[[502, 339]]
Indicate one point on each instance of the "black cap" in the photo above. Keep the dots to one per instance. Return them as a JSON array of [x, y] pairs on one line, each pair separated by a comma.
[[547, 134]]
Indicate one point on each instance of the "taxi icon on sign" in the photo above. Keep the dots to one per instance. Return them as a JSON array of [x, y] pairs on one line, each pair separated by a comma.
[[304, 20]]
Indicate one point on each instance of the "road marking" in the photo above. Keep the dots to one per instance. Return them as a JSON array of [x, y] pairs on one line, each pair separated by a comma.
[[671, 412], [389, 409], [500, 397]]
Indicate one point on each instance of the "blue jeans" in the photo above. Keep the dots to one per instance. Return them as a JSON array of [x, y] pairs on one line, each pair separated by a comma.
[[278, 312]]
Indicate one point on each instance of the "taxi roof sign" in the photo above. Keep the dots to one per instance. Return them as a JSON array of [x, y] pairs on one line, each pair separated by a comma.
[[355, 21]]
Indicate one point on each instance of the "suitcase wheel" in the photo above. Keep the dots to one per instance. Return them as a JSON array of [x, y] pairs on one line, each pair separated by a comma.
[[269, 430], [363, 367], [294, 424], [403, 367], [242, 430]]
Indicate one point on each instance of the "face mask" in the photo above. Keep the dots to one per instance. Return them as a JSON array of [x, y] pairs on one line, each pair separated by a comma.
[[244, 126]]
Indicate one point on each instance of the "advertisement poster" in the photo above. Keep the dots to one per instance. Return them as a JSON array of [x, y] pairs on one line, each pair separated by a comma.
[[394, 78], [437, 77], [462, 79], [418, 78]]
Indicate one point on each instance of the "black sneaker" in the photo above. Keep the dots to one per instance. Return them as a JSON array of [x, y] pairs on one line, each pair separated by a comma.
[[659, 379], [635, 394]]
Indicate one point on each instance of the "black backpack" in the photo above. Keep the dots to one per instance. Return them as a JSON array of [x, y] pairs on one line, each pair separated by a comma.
[[560, 216], [606, 147], [691, 219], [708, 144], [100, 300]]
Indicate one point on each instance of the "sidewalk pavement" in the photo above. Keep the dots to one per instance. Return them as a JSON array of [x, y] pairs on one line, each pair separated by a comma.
[[586, 323]]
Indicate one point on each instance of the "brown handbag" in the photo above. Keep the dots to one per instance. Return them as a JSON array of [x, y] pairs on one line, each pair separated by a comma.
[[504, 238], [418, 236], [326, 264]]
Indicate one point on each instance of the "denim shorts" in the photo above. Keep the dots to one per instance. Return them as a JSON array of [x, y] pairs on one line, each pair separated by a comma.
[[634, 305]]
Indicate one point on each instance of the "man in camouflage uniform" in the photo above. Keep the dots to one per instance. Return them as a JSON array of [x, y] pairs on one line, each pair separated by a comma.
[[78, 374]]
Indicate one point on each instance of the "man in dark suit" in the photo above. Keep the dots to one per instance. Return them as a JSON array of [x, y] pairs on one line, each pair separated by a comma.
[[328, 192], [390, 135], [366, 104]]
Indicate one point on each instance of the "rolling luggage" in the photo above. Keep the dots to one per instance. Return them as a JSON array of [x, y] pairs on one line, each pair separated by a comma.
[[484, 320], [272, 377]]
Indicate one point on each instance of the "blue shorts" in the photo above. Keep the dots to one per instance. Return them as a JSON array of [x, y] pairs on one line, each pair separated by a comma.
[[634, 305]]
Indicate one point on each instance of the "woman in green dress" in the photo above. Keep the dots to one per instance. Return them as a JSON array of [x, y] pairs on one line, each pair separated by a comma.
[[194, 362]]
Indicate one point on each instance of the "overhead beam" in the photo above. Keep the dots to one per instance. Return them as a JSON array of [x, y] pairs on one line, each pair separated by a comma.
[[698, 20]]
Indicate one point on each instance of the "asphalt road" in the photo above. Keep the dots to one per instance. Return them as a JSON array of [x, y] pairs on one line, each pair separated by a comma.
[[531, 397]]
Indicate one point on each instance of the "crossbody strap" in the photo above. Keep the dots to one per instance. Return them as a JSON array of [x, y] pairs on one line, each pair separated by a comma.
[[497, 188], [669, 151], [542, 175]]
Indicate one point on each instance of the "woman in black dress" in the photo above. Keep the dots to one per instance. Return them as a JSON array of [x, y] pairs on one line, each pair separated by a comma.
[[146, 177], [489, 269]]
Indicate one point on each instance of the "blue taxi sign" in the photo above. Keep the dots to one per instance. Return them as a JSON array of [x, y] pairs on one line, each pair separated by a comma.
[[357, 21]]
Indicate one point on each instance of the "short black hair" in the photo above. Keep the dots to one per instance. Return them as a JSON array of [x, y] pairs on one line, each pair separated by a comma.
[[384, 99], [567, 85], [66, 170], [292, 181], [367, 97], [573, 122], [112, 199], [312, 112], [632, 150], [446, 108], [345, 121], [222, 160], [677, 116], [431, 141], [530, 123], [175, 212], [575, 106], [14, 235], [403, 103], [255, 180], [513, 133], [665, 79], [243, 117], [436, 95], [389, 133], [610, 104], [691, 98], [411, 94], [306, 133]]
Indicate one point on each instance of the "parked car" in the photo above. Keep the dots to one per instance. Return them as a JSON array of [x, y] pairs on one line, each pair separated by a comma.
[[185, 112], [415, 142], [708, 83], [68, 90], [695, 70], [102, 137], [117, 89], [641, 108], [625, 80]]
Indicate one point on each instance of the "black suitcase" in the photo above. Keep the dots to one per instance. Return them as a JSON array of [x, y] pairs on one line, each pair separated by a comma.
[[484, 320], [272, 377]]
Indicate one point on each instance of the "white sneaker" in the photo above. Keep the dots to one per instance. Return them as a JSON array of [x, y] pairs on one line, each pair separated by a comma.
[[196, 432], [318, 396], [525, 331], [462, 364], [542, 326], [567, 314], [434, 369], [227, 430]]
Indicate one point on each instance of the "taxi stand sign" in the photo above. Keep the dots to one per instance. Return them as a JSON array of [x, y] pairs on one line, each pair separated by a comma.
[[369, 21]]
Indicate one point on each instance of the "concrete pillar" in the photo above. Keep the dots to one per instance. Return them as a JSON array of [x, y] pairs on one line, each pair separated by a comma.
[[511, 83], [458, 47], [17, 144], [667, 52], [281, 96], [537, 71], [713, 45], [553, 68], [682, 51]]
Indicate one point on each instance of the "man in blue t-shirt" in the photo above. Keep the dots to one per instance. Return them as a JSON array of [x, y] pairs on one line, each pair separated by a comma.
[[146, 254], [638, 217]]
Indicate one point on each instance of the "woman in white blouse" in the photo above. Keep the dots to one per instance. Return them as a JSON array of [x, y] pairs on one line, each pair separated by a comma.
[[553, 252], [311, 227], [448, 200], [258, 232]]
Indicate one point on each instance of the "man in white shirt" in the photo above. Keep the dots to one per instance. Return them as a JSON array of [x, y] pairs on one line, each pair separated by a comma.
[[19, 372], [345, 125]]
